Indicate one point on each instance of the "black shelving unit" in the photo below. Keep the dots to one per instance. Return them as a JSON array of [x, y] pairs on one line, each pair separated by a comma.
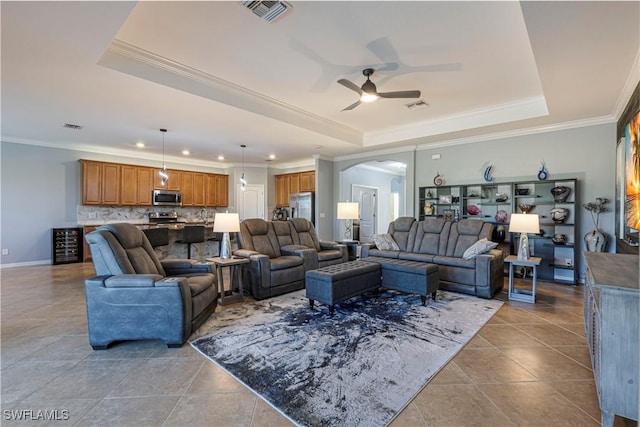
[[66, 245]]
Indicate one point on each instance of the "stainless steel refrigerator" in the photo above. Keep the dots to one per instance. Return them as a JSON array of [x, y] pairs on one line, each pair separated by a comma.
[[302, 205]]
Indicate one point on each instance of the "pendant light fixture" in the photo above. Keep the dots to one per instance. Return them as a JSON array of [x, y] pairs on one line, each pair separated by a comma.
[[164, 176], [243, 181]]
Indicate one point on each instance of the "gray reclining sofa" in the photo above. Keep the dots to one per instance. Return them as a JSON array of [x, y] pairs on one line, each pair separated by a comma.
[[441, 242]]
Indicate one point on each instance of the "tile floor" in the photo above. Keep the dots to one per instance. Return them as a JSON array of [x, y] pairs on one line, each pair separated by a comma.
[[529, 366]]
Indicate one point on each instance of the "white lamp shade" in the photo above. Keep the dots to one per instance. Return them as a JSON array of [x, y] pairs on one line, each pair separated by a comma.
[[524, 223], [226, 223], [347, 210]]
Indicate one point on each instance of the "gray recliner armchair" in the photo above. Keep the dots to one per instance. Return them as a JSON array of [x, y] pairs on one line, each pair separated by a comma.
[[274, 269], [136, 296], [328, 253]]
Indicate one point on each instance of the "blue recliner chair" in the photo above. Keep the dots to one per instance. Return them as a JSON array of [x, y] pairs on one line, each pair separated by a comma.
[[136, 296]]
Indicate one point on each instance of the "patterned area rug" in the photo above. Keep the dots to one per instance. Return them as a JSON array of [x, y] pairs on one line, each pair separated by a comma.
[[360, 367]]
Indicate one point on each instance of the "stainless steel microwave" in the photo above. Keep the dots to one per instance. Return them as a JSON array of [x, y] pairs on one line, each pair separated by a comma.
[[167, 198]]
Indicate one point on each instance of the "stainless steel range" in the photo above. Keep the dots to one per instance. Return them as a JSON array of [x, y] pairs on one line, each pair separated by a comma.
[[164, 217]]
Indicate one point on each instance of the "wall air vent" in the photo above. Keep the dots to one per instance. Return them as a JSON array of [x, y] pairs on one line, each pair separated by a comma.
[[418, 105], [267, 10], [71, 126]]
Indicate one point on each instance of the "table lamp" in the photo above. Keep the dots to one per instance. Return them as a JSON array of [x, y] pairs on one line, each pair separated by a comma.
[[226, 223], [523, 224], [348, 211]]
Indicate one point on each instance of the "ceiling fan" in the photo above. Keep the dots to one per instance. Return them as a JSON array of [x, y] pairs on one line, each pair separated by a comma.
[[369, 93]]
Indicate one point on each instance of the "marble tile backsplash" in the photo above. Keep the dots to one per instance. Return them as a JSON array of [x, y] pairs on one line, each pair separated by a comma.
[[96, 215]]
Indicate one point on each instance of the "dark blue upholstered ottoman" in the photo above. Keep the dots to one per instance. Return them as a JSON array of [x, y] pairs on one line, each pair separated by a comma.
[[412, 277], [335, 283]]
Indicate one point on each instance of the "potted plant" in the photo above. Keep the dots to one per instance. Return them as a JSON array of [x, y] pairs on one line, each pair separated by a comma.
[[596, 240]]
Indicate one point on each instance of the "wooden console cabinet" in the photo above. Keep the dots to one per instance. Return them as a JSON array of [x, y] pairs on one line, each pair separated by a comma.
[[611, 318]]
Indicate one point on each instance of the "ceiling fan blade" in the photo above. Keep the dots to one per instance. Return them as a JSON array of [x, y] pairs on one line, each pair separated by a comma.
[[400, 94], [383, 49], [350, 85], [352, 106]]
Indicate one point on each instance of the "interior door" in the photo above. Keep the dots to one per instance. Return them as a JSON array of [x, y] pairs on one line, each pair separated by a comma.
[[251, 201], [367, 197]]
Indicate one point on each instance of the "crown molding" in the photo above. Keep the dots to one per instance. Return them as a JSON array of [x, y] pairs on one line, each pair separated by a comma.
[[110, 151], [374, 153], [496, 114], [519, 132], [135, 61], [630, 85]]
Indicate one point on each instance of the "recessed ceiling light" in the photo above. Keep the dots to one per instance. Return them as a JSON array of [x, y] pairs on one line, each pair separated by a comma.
[[140, 144], [220, 157], [272, 156], [185, 152]]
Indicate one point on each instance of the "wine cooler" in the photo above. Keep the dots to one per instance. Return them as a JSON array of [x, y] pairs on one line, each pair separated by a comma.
[[67, 245]]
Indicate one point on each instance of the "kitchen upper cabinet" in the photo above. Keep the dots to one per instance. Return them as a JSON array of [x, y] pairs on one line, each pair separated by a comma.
[[282, 190], [100, 183], [307, 181], [174, 183], [193, 188], [216, 190], [290, 183], [136, 186], [114, 184], [294, 183]]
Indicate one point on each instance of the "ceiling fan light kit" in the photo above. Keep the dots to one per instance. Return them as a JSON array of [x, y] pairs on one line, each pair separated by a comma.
[[369, 92]]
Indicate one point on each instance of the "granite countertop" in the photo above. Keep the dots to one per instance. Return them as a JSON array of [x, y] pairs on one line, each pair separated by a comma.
[[143, 225]]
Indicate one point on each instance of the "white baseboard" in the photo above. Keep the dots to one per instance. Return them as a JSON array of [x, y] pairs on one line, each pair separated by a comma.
[[25, 264]]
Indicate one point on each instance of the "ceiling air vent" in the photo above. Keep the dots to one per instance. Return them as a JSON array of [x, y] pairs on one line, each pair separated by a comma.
[[418, 105], [71, 126], [267, 10]]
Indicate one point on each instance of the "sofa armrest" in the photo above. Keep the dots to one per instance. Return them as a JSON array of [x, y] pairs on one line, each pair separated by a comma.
[[177, 267], [245, 253], [365, 248], [308, 255], [489, 273], [132, 281]]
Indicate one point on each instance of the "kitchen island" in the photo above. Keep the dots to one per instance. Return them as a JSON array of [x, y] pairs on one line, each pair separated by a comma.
[[209, 248]]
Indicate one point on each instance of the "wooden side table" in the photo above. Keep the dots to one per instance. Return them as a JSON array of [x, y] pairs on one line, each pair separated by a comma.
[[523, 295], [234, 272]]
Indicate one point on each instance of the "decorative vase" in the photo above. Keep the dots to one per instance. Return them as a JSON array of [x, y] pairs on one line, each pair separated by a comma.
[[560, 193], [428, 208], [559, 215], [595, 241]]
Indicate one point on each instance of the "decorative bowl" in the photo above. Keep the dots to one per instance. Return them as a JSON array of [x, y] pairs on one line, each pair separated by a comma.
[[559, 239], [560, 193], [526, 208], [501, 197], [502, 216], [522, 191], [559, 215], [473, 210]]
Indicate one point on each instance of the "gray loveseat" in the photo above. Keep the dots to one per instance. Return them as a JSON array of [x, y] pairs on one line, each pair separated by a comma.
[[441, 242], [280, 253]]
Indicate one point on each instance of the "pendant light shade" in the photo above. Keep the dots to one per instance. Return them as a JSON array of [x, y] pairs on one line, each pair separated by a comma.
[[243, 181], [164, 176]]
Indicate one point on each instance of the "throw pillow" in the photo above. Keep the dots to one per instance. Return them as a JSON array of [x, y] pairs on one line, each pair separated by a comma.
[[385, 242], [479, 247]]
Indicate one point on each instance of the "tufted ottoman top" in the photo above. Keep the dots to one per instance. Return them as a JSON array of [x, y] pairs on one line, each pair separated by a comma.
[[344, 270]]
